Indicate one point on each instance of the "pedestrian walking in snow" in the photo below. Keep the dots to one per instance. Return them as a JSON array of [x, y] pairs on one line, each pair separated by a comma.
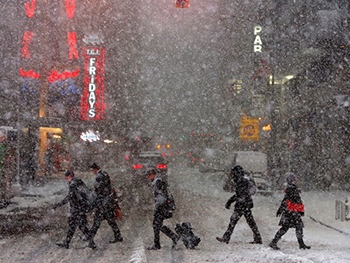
[[77, 211], [105, 203], [160, 198], [243, 206], [291, 210]]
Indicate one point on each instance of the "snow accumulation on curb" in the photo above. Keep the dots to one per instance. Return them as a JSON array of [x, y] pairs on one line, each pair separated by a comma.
[[331, 227]]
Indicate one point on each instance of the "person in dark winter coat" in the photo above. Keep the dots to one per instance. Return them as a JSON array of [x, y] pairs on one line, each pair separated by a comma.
[[243, 206], [105, 203], [77, 212], [291, 209], [160, 196]]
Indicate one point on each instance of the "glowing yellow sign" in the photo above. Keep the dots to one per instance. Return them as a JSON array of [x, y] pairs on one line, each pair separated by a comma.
[[249, 130]]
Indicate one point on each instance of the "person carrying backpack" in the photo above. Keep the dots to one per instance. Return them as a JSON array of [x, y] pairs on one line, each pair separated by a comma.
[[243, 206], [77, 210], [161, 210]]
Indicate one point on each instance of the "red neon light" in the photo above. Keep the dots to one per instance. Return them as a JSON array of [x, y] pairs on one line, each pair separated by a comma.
[[30, 8], [72, 43], [26, 40], [29, 74], [55, 75], [70, 8]]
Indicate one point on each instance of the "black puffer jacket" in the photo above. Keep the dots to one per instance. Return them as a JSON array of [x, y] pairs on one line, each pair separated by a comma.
[[76, 202], [241, 197]]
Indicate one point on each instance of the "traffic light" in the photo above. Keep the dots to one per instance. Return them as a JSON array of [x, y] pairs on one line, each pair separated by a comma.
[[182, 3]]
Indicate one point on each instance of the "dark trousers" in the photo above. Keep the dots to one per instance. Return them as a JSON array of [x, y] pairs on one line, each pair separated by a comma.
[[74, 221], [298, 231], [107, 214], [237, 214], [284, 229], [159, 227], [288, 220]]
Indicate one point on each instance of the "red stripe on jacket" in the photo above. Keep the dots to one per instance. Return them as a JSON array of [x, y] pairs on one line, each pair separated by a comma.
[[294, 207]]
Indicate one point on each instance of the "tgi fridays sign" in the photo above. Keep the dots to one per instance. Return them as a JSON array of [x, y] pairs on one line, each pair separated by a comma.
[[92, 99]]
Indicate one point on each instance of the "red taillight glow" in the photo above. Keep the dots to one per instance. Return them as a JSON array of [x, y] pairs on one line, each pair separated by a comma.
[[161, 166], [137, 166]]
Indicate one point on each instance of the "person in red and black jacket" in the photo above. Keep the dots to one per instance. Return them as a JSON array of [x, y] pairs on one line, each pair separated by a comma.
[[291, 209]]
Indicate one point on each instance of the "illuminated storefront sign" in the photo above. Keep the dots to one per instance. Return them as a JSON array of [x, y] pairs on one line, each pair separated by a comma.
[[90, 136], [249, 129], [257, 39], [30, 8], [26, 40], [92, 99], [54, 92]]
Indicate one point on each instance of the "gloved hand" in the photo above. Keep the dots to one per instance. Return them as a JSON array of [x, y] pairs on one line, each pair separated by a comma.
[[228, 205], [279, 213]]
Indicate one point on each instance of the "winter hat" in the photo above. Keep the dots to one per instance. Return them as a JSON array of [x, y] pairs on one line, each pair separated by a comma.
[[151, 171], [94, 166], [69, 173], [238, 169], [291, 178]]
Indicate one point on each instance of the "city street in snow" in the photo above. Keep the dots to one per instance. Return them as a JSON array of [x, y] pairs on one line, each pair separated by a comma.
[[200, 200]]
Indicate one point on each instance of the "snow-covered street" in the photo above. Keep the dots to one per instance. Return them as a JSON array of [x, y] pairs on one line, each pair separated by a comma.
[[200, 201]]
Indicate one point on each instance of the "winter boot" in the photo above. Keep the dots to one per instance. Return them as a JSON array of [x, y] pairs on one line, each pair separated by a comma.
[[273, 245], [92, 244], [302, 245], [154, 247], [117, 239], [222, 240], [64, 244], [257, 240]]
